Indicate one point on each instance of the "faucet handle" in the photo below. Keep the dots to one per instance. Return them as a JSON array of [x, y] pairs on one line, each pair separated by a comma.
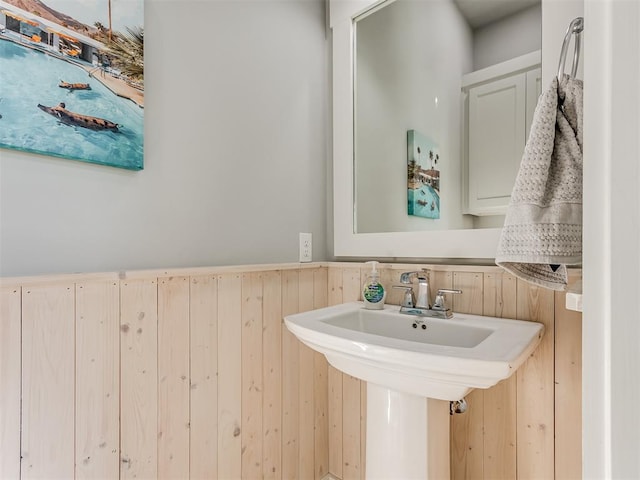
[[409, 299], [439, 302]]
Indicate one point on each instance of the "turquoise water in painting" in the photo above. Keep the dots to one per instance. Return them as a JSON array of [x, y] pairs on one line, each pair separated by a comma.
[[29, 77], [424, 202]]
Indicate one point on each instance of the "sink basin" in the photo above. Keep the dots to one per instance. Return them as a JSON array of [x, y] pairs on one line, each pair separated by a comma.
[[438, 332], [445, 360]]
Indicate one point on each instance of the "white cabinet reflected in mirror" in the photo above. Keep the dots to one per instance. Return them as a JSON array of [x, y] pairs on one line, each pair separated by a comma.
[[498, 106], [401, 66]]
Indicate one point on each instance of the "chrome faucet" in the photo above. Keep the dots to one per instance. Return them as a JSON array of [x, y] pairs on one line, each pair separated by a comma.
[[422, 298], [419, 305]]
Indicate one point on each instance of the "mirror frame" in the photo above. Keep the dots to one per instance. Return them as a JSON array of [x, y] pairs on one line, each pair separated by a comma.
[[450, 244]]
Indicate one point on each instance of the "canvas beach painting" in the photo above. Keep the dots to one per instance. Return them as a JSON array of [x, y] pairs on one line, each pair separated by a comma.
[[72, 79], [423, 178]]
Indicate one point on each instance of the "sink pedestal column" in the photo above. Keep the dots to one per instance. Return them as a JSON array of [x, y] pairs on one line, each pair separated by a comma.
[[407, 436]]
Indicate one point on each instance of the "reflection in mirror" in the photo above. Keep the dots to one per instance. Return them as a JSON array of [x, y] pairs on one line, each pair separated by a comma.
[[411, 61]]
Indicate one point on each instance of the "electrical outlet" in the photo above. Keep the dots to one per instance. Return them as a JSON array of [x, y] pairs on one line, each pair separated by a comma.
[[305, 247]]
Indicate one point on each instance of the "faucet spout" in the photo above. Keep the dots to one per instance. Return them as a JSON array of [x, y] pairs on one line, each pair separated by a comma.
[[422, 297]]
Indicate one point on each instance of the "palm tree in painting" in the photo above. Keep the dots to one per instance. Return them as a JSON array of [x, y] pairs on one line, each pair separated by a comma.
[[110, 29], [125, 51], [128, 52]]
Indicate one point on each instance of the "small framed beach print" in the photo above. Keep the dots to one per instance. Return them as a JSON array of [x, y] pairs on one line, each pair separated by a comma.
[[423, 176], [72, 76]]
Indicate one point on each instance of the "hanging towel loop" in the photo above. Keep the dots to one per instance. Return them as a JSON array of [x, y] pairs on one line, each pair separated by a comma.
[[542, 231], [575, 28]]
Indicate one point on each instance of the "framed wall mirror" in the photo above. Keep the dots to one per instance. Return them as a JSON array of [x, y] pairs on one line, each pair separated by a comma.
[[403, 74]]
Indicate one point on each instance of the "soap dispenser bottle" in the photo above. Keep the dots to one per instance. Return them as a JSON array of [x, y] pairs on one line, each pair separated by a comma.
[[373, 293]]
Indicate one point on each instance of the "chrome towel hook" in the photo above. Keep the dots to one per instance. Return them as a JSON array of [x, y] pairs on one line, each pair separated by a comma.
[[575, 28]]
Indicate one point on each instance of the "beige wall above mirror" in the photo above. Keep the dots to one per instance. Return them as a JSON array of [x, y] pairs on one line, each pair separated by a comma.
[[370, 211], [412, 59]]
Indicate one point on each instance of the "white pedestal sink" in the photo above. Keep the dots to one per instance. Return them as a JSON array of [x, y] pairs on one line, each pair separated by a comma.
[[405, 364]]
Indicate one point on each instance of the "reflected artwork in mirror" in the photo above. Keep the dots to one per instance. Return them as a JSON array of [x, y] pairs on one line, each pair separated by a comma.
[[411, 63], [423, 177]]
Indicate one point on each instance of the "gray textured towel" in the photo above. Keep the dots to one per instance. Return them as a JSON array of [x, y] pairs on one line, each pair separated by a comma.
[[543, 228]]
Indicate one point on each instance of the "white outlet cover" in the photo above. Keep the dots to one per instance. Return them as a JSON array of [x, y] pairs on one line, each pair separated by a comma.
[[306, 247]]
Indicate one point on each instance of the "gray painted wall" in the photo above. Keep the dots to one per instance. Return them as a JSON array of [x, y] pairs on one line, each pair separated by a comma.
[[236, 128], [523, 29]]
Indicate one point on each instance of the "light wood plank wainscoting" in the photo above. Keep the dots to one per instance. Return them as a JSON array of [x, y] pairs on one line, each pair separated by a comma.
[[192, 374]]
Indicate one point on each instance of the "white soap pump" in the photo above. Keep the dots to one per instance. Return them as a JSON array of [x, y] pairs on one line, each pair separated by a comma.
[[373, 293]]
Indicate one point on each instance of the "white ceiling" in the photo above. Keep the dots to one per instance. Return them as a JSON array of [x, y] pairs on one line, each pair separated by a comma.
[[482, 12]]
